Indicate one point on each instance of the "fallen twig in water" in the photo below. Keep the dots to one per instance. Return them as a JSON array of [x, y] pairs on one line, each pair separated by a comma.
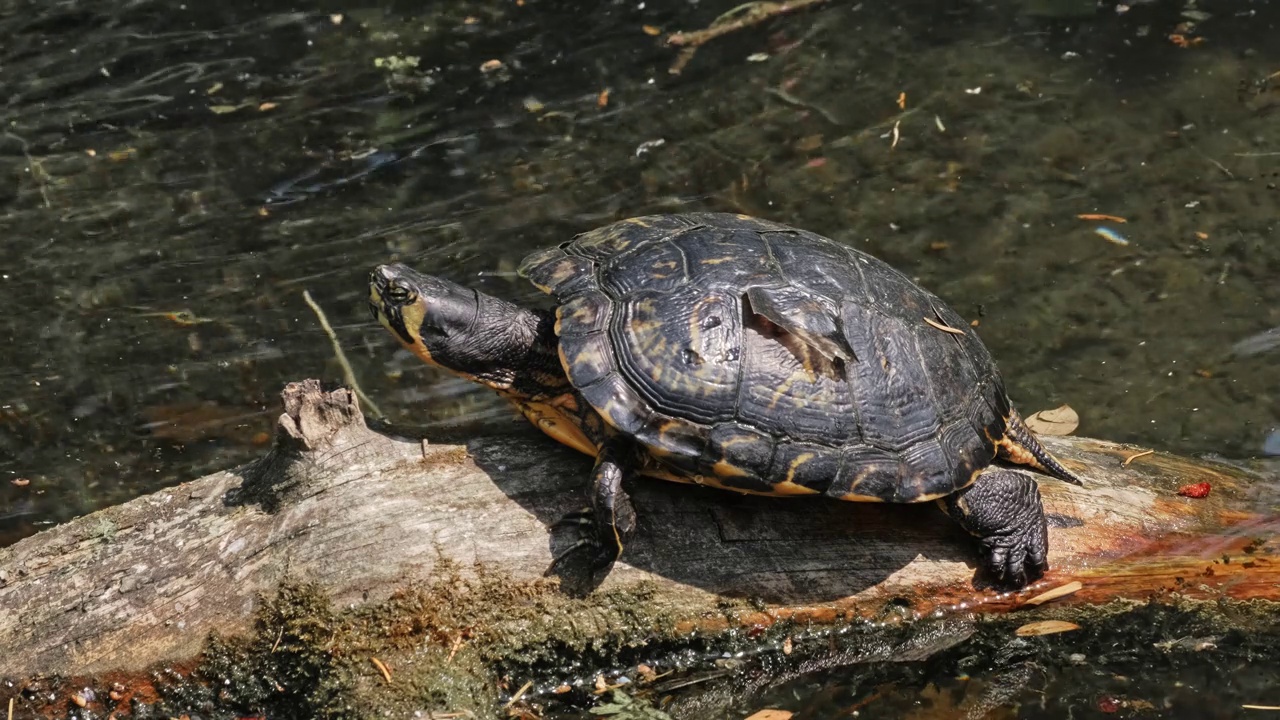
[[742, 16], [348, 374], [794, 101]]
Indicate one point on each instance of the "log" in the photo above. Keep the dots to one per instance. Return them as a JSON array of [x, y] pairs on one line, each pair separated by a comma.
[[362, 513]]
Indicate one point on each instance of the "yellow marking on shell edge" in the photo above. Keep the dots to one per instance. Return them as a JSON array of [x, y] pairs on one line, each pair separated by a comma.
[[641, 222], [787, 487], [801, 459], [780, 490], [666, 427], [738, 440], [930, 496], [564, 360], [560, 427], [725, 470], [857, 497]]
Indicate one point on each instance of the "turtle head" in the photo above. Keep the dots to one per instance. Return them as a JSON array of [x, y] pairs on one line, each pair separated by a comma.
[[430, 316], [475, 335]]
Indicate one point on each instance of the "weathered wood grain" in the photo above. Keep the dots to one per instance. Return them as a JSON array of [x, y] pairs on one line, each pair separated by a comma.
[[362, 512]]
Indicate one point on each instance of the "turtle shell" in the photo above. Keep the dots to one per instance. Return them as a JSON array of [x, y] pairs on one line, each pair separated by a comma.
[[763, 358]]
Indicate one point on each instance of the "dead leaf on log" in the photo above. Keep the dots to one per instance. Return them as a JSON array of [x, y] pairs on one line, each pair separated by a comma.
[[1054, 594], [1045, 627], [1061, 420]]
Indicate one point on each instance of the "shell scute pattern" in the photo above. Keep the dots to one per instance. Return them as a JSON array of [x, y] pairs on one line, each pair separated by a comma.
[[590, 355], [659, 266], [732, 258], [675, 356], [894, 412], [586, 313], [678, 443], [555, 271], [827, 269], [717, 390], [807, 467], [868, 472], [780, 394], [745, 448], [618, 404]]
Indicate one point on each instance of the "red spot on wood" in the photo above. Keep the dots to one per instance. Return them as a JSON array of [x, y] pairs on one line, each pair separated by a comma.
[[1198, 490]]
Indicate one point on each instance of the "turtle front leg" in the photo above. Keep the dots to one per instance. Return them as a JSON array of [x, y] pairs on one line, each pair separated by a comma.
[[610, 521], [1002, 509]]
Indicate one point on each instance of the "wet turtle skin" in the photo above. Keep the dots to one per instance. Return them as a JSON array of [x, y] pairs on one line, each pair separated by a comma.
[[743, 354]]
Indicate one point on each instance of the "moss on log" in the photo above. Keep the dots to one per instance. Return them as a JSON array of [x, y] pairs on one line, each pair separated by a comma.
[[366, 517]]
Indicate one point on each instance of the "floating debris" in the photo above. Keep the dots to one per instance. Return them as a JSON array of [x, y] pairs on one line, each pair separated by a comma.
[[1271, 446], [1101, 216], [1257, 344], [648, 145], [1110, 236]]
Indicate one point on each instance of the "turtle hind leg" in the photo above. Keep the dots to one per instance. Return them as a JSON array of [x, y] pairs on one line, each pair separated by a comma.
[[609, 522], [1020, 445], [1003, 510]]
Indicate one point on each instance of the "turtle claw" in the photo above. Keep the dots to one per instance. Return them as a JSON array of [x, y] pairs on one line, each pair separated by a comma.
[[603, 548], [577, 517], [1003, 510], [1012, 560], [565, 553]]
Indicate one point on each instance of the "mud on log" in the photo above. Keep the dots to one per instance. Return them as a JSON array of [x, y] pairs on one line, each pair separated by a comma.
[[360, 513]]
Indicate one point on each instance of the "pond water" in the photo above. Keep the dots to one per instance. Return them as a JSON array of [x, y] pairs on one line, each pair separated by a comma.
[[1096, 186]]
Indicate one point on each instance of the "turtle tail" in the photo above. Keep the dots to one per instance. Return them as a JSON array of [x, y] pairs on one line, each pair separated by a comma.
[[1020, 445]]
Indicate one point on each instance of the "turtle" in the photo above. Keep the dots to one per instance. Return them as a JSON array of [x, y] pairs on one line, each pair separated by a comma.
[[739, 353]]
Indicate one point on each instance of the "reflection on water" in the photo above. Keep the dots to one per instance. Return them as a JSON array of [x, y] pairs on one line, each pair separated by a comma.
[[173, 177]]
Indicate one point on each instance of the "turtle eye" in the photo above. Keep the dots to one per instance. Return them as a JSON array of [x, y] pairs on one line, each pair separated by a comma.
[[400, 295]]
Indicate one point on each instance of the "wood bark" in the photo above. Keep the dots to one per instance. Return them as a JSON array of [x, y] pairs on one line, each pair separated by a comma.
[[362, 512]]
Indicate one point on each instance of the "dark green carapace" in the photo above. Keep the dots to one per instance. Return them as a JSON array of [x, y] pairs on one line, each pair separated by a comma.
[[742, 354]]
